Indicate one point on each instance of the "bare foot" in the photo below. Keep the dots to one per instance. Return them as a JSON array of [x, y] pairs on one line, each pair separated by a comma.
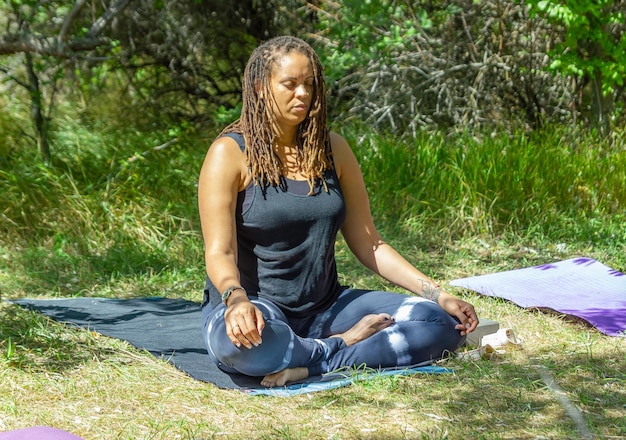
[[287, 375], [366, 327]]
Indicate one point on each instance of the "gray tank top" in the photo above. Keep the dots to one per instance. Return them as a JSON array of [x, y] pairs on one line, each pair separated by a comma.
[[286, 243]]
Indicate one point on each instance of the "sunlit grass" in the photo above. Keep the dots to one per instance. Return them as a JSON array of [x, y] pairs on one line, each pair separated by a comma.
[[547, 184], [98, 224], [102, 388]]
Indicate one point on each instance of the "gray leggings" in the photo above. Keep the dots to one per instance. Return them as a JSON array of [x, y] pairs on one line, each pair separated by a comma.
[[422, 332]]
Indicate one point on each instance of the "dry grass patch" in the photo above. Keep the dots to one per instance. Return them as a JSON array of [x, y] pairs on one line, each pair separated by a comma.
[[101, 388]]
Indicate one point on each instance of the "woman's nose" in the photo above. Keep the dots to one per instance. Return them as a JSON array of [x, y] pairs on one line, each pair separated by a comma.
[[302, 90]]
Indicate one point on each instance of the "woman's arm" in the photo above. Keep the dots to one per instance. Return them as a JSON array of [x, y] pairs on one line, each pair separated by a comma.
[[368, 246], [223, 175]]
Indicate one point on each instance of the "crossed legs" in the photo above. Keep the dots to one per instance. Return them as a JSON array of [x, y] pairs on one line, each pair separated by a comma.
[[373, 328]]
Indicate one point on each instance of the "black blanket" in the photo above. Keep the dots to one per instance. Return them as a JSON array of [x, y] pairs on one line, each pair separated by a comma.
[[167, 328], [172, 329]]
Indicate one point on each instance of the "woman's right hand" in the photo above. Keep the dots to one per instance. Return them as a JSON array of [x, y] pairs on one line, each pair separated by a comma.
[[244, 322]]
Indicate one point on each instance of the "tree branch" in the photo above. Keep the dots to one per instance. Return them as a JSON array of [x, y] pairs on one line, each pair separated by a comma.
[[105, 18], [7, 72], [59, 46], [157, 148], [70, 18], [48, 46]]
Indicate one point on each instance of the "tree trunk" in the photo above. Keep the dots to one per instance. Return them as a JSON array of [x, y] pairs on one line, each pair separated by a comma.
[[40, 122], [601, 106]]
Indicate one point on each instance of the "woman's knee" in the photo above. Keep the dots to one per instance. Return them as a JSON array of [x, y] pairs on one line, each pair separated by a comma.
[[269, 357]]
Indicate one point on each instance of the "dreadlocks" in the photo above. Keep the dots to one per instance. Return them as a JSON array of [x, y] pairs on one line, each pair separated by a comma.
[[257, 122]]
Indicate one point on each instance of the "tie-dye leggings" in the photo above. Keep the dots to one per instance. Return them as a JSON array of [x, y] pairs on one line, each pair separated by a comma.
[[422, 332]]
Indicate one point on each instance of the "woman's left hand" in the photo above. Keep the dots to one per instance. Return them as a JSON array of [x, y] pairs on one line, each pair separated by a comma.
[[460, 309]]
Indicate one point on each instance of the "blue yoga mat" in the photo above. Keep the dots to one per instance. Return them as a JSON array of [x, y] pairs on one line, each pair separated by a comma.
[[172, 329]]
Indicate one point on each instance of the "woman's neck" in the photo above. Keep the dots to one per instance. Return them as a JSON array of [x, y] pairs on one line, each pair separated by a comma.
[[287, 150], [286, 137]]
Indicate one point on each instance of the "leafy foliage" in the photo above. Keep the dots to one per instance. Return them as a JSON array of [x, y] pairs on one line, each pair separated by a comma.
[[594, 42], [176, 61], [592, 49], [44, 40], [185, 60], [400, 66], [406, 66]]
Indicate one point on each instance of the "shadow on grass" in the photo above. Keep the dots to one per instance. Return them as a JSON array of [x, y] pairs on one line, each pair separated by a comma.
[[495, 399], [596, 384], [34, 343], [592, 388], [43, 270]]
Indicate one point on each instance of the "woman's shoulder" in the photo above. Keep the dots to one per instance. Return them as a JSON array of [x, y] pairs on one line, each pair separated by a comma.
[[226, 146], [228, 140], [337, 140], [225, 160], [343, 156], [234, 136]]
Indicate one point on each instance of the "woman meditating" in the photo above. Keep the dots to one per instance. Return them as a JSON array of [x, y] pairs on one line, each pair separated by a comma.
[[275, 189]]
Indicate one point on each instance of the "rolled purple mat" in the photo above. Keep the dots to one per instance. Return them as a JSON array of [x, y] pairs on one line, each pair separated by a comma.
[[38, 433]]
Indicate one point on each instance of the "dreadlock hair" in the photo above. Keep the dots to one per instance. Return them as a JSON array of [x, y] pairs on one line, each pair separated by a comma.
[[258, 121]]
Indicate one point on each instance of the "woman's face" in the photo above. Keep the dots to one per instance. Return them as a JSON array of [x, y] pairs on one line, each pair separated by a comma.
[[291, 84]]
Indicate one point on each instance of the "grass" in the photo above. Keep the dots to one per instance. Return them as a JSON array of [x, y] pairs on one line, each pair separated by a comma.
[[98, 224], [102, 388]]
